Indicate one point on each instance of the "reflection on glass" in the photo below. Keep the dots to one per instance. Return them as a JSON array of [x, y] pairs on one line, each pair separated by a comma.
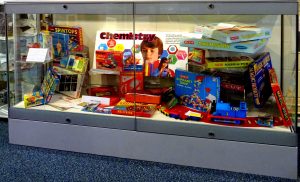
[[226, 70]]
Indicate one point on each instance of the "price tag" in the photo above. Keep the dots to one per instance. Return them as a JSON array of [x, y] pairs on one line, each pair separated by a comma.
[[38, 55]]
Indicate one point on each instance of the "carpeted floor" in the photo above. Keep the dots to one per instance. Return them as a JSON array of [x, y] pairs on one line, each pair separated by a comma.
[[21, 163]]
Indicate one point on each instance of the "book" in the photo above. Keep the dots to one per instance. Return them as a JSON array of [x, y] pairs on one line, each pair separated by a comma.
[[211, 44], [195, 90], [233, 32], [75, 33], [259, 78]]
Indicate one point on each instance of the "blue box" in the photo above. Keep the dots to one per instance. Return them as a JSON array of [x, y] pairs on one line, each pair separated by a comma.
[[196, 91]]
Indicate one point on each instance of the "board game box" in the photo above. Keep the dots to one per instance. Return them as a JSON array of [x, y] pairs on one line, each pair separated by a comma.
[[196, 91], [284, 113], [228, 62], [131, 81], [259, 78], [156, 54], [233, 32], [75, 42], [50, 82], [71, 82], [60, 45], [211, 44], [109, 60], [134, 109]]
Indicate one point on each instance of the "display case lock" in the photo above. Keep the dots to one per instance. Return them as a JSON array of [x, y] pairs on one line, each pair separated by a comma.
[[211, 6], [65, 7], [68, 120], [211, 134]]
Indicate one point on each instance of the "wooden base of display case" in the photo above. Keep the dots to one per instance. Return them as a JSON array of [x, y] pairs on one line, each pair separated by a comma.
[[263, 159]]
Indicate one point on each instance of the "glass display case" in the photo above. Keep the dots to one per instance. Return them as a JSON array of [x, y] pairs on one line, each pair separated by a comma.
[[175, 82]]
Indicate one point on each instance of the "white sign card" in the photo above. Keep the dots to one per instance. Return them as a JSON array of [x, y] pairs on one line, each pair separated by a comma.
[[38, 55]]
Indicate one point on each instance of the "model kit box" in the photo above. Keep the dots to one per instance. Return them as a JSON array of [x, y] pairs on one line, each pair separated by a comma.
[[196, 91], [75, 33], [260, 81], [230, 33], [206, 43]]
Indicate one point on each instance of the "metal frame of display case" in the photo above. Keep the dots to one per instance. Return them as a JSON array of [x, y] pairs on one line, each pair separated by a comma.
[[212, 146]]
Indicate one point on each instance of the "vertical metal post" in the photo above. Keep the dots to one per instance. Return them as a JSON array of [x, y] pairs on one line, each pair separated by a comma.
[[16, 61]]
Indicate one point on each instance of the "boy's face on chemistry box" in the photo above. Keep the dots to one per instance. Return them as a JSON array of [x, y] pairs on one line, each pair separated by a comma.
[[150, 55]]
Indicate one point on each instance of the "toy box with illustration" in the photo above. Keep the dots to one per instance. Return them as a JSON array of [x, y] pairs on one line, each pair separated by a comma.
[[60, 45], [228, 62], [109, 60], [233, 32], [235, 84], [136, 50], [71, 83], [130, 81], [31, 100], [284, 113], [196, 91], [259, 78], [51, 80], [196, 55], [134, 109], [75, 63], [206, 43], [45, 39], [75, 33]]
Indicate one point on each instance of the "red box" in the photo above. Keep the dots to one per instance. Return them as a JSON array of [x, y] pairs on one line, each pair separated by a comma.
[[142, 98], [130, 82], [109, 60]]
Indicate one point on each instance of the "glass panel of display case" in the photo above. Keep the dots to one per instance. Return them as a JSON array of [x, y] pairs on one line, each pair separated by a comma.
[[3, 62], [220, 75], [75, 68], [192, 69]]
